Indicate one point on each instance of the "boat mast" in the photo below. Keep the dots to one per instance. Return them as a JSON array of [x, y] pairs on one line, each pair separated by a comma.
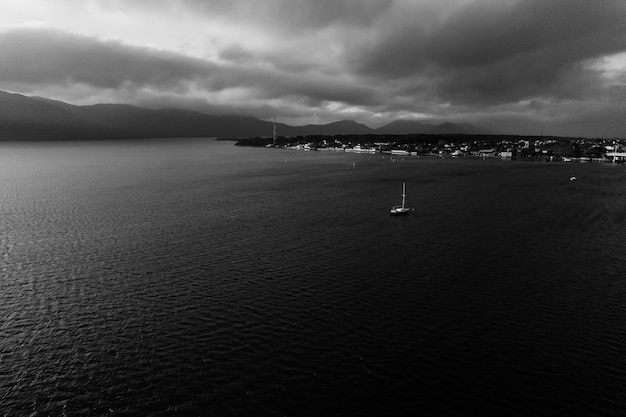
[[403, 193], [274, 135]]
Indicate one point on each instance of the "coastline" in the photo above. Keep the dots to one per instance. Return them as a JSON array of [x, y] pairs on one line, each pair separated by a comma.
[[552, 149]]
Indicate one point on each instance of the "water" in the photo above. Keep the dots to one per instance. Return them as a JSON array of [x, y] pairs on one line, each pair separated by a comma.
[[192, 277]]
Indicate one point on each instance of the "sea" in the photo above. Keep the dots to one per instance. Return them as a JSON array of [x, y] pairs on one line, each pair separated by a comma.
[[192, 277]]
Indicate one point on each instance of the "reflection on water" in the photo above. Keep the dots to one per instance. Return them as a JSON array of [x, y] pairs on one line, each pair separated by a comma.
[[192, 276]]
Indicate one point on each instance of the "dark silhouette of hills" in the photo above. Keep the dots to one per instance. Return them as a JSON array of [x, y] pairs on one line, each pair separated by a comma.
[[456, 128], [38, 118], [23, 118], [404, 127], [343, 127], [408, 127]]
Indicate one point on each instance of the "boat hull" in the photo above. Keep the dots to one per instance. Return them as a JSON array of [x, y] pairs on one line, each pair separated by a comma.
[[399, 211]]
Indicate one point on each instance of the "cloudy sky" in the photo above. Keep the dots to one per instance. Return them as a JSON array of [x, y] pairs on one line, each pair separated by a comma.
[[512, 66]]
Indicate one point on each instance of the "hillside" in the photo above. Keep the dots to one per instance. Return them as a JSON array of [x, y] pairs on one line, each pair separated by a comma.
[[23, 118], [38, 118]]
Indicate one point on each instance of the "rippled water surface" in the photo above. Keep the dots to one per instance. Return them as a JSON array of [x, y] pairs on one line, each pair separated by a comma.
[[193, 277]]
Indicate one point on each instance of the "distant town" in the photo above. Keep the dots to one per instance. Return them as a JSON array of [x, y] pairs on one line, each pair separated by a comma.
[[549, 148]]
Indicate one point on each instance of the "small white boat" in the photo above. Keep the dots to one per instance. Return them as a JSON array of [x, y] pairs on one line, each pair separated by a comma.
[[401, 210], [573, 178]]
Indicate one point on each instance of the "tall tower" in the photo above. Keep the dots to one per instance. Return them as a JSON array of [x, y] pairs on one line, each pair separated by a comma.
[[274, 137]]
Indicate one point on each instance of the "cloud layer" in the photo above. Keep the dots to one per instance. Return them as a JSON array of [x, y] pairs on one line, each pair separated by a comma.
[[511, 65]]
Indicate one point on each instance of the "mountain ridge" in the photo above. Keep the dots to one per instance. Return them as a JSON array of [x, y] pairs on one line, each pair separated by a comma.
[[40, 118]]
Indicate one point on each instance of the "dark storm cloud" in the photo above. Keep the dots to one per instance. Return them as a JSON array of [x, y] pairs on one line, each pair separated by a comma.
[[262, 109], [279, 15], [315, 87], [286, 75], [483, 33], [37, 56], [46, 57], [470, 60], [519, 79], [499, 50]]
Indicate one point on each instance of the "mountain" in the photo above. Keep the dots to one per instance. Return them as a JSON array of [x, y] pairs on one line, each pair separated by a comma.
[[404, 127], [343, 127], [38, 118], [25, 118], [407, 127], [458, 128], [135, 122]]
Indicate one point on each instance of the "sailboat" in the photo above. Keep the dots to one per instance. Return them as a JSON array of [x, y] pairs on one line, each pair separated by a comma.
[[401, 210]]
